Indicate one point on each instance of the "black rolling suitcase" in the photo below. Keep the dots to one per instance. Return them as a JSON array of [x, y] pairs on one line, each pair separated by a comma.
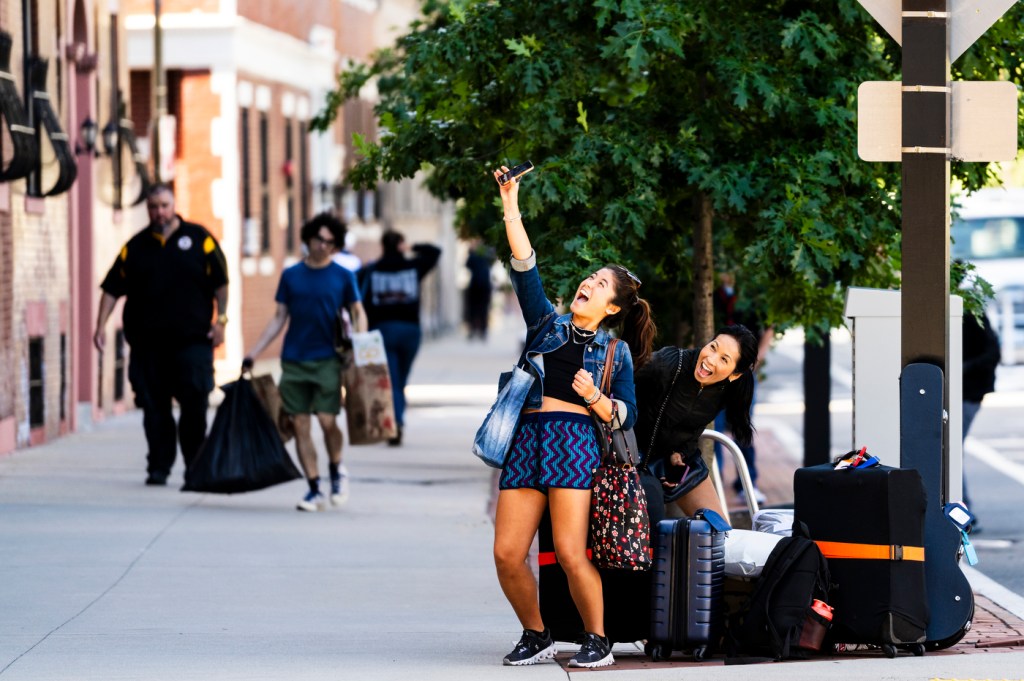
[[626, 597], [869, 524], [687, 586]]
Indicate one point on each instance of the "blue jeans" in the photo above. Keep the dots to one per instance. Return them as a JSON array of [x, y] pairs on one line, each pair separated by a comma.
[[970, 411], [401, 343]]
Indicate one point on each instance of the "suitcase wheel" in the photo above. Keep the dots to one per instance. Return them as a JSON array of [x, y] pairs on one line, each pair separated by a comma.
[[889, 650], [700, 654], [917, 649], [656, 651]]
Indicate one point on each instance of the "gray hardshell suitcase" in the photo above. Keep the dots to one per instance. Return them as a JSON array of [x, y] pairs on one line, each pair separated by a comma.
[[687, 585]]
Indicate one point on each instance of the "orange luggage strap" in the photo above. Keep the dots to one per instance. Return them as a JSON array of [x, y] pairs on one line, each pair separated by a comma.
[[838, 549]]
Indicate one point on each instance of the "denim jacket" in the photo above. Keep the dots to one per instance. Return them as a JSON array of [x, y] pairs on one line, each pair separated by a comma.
[[537, 310]]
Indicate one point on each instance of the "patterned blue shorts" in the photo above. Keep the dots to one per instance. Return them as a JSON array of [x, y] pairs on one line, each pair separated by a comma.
[[552, 449]]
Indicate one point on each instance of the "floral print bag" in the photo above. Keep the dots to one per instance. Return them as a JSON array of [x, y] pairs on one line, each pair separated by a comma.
[[620, 528]]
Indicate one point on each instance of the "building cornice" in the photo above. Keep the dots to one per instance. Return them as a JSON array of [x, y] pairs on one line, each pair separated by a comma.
[[198, 40]]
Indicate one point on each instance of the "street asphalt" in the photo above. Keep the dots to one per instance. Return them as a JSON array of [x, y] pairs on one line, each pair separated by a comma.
[[104, 578]]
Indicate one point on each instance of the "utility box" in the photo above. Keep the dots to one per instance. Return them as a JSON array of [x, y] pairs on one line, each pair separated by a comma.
[[874, 321]]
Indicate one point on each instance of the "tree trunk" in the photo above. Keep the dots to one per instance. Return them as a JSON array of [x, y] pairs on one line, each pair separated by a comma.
[[703, 274], [703, 290]]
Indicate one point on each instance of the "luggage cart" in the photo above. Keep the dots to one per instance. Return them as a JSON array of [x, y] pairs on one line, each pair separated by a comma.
[[741, 467]]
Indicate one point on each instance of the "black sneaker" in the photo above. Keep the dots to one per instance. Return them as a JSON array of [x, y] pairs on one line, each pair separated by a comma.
[[533, 647], [596, 651]]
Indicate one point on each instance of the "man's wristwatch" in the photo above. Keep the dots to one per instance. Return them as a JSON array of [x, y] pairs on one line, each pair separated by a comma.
[[222, 319]]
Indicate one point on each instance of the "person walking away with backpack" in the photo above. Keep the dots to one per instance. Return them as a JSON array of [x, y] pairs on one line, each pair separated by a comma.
[[391, 293], [555, 448]]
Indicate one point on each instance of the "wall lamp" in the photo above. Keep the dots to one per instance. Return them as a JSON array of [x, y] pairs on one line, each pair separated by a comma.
[[110, 135], [87, 138]]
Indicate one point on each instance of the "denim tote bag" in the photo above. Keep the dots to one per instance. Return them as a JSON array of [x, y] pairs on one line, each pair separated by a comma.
[[494, 437]]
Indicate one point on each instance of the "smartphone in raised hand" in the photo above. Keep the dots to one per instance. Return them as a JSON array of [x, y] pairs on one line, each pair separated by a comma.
[[517, 171]]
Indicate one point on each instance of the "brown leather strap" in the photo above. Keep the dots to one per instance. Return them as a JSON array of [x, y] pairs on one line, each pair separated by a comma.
[[609, 359]]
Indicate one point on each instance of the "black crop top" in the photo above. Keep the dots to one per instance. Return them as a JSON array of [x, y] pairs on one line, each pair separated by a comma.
[[560, 367]]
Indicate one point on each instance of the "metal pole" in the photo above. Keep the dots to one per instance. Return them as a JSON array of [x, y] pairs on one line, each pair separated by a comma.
[[159, 88], [926, 143]]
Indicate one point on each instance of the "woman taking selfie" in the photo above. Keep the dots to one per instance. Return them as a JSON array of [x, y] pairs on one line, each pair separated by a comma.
[[555, 449]]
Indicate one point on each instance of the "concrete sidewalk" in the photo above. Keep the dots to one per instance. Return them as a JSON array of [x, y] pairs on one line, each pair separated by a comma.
[[103, 578]]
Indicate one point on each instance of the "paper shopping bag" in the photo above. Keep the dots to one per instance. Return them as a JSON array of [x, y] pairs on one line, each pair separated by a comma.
[[369, 406]]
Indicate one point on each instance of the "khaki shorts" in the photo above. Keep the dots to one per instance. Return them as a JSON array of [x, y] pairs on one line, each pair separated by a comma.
[[312, 387]]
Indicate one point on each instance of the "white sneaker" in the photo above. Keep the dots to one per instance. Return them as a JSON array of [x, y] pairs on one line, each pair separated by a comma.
[[759, 496], [312, 502], [339, 487]]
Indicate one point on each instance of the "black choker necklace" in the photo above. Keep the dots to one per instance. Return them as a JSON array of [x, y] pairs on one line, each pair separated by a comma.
[[581, 336]]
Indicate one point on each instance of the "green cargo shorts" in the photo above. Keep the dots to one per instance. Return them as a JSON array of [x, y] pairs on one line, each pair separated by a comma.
[[312, 387]]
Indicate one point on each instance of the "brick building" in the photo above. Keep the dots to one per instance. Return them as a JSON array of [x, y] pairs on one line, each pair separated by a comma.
[[243, 80], [60, 68]]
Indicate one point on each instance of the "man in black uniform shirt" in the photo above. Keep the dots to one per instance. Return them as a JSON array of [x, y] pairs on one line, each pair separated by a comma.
[[170, 273]]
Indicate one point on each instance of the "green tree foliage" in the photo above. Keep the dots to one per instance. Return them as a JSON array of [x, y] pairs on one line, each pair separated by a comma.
[[633, 111]]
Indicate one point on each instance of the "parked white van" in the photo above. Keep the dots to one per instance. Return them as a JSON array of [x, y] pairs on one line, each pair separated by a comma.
[[989, 232]]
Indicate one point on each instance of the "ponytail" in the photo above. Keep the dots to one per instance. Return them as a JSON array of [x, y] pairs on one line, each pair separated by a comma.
[[739, 394], [634, 315], [739, 398]]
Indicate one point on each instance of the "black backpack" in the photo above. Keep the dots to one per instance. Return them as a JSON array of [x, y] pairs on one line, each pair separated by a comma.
[[769, 625]]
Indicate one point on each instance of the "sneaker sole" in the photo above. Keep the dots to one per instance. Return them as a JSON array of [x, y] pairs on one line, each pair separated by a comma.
[[339, 499], [603, 662], [308, 508], [546, 654]]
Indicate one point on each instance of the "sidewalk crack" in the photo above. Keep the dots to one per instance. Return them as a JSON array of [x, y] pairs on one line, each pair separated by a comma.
[[110, 588]]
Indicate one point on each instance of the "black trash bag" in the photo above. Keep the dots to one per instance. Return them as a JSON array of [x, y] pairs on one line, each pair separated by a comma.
[[243, 451]]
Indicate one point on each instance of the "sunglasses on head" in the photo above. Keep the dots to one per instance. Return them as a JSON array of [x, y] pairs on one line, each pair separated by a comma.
[[629, 274]]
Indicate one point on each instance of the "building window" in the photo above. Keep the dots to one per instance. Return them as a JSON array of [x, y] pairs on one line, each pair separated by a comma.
[[250, 243], [264, 183], [36, 393], [289, 150], [250, 227], [63, 377], [304, 187], [141, 100], [119, 365]]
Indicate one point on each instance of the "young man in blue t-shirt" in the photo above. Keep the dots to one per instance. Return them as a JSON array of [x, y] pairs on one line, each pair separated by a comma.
[[309, 298]]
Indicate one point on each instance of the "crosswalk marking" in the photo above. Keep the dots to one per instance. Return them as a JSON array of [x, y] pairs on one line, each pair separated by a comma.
[[995, 459]]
